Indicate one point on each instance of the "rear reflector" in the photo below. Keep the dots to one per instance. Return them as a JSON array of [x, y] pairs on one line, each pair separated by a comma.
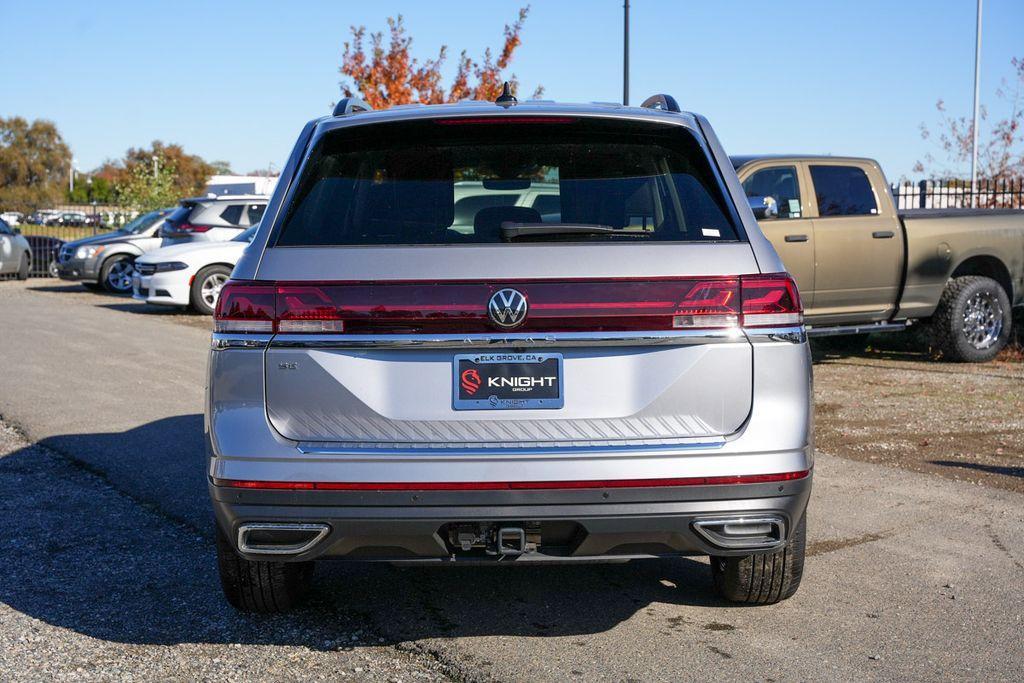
[[511, 485], [461, 307], [189, 227]]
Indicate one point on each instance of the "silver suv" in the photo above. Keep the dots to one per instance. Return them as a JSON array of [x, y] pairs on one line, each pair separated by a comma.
[[624, 375]]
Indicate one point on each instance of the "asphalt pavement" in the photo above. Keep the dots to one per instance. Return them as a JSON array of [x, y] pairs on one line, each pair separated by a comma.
[[109, 572]]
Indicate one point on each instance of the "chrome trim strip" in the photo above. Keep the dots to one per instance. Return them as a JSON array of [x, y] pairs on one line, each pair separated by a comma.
[[293, 549], [795, 334], [220, 341], [307, 448], [517, 340]]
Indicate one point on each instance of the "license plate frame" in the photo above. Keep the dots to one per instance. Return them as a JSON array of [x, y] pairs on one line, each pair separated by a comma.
[[497, 365]]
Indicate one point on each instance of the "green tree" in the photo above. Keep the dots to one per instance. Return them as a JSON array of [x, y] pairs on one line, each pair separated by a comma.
[[34, 163], [221, 167], [191, 171], [145, 189]]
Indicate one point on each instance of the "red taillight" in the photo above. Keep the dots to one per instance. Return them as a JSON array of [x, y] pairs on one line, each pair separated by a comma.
[[461, 307], [245, 307], [770, 300], [189, 227]]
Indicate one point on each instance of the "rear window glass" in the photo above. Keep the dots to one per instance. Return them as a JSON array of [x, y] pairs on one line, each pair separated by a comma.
[[604, 180], [232, 214]]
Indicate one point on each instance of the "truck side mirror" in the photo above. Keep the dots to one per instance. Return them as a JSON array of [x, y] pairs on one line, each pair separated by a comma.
[[763, 207]]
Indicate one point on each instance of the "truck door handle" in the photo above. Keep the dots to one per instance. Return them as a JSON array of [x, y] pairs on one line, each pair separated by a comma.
[[796, 238], [883, 234]]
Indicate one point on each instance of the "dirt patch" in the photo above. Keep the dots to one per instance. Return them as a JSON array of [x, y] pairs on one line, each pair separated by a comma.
[[892, 405]]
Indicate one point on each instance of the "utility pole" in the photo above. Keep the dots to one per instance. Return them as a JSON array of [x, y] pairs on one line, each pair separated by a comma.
[[974, 125], [156, 165], [626, 52], [71, 175]]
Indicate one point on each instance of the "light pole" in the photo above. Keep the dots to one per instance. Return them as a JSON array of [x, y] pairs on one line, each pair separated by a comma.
[[626, 52], [974, 124], [156, 165], [71, 175]]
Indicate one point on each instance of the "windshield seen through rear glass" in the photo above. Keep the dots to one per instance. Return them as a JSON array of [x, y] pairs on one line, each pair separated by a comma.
[[453, 181]]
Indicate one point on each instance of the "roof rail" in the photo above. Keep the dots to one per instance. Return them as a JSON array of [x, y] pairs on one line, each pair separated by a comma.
[[350, 105], [662, 102]]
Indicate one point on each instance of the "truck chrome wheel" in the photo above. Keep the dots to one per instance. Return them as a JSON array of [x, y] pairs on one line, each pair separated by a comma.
[[211, 288], [119, 277], [983, 320]]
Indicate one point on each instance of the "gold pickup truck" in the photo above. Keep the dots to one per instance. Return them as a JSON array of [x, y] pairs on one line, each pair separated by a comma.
[[862, 266]]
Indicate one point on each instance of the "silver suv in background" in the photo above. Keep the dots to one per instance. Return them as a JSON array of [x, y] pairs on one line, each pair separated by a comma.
[[627, 379], [214, 218]]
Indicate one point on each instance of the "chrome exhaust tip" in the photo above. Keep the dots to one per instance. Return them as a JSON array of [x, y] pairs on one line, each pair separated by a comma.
[[743, 533], [279, 538]]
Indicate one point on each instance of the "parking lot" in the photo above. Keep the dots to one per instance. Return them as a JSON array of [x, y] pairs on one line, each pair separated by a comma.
[[915, 563]]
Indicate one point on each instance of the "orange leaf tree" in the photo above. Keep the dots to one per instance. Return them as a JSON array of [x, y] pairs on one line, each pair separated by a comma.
[[388, 75]]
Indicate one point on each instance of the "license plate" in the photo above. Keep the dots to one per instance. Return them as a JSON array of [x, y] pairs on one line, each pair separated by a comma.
[[507, 381]]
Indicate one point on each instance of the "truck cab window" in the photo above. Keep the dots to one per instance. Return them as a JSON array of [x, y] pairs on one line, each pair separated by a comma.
[[843, 191], [781, 184]]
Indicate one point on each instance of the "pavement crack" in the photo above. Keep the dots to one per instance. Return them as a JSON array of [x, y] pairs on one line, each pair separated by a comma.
[[832, 545]]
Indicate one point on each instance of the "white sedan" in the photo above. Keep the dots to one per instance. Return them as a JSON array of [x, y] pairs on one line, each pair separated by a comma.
[[190, 274]]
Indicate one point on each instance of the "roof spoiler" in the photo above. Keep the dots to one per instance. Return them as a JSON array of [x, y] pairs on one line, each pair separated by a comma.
[[350, 105], [661, 101]]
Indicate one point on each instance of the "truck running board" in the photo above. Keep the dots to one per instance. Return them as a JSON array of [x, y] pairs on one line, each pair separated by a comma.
[[856, 329]]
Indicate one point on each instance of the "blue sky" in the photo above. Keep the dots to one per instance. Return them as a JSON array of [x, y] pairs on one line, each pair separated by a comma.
[[236, 80]]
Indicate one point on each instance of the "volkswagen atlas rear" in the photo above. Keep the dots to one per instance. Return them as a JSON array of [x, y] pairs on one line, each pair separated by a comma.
[[623, 376]]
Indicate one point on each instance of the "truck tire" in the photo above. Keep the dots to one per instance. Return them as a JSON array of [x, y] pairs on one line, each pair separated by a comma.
[[265, 587], [24, 268], [206, 288], [762, 579], [973, 320], [116, 273]]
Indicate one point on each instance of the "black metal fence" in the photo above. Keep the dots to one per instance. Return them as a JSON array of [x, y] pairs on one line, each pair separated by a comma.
[[958, 194]]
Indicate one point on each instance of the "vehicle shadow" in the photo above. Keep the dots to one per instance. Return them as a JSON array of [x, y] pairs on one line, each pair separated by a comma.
[[116, 543], [1006, 470]]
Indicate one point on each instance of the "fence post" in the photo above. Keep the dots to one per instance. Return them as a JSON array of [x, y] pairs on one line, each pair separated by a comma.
[[922, 194]]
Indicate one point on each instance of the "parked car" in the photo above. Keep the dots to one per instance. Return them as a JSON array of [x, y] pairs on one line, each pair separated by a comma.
[[45, 252], [69, 218], [213, 218], [12, 218], [190, 274], [862, 266], [631, 380], [15, 253], [41, 216], [107, 260]]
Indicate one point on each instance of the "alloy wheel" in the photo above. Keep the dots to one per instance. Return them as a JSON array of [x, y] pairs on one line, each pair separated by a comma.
[[119, 277], [983, 320], [211, 288]]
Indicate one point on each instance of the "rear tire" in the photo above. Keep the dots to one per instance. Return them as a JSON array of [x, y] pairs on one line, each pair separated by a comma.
[[116, 274], [206, 288], [264, 587], [24, 268], [973, 320], [762, 579]]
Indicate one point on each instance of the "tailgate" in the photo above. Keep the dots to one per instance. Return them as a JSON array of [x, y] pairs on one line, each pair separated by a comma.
[[390, 380]]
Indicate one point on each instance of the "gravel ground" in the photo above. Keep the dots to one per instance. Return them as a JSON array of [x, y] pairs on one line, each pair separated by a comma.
[[109, 569], [96, 586], [895, 407]]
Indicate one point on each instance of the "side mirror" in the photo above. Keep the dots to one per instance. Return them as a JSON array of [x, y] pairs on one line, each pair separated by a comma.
[[763, 207]]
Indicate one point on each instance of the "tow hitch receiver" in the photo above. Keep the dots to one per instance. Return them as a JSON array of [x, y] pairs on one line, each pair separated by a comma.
[[511, 541], [506, 541]]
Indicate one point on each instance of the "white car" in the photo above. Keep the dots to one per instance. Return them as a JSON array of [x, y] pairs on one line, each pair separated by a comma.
[[190, 274]]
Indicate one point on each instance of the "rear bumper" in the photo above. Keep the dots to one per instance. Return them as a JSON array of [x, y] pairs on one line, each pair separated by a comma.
[[595, 523]]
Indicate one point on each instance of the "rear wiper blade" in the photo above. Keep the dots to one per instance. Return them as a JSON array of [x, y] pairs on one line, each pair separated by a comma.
[[511, 231]]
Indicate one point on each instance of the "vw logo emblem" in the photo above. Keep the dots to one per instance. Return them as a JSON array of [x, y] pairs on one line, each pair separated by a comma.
[[507, 308]]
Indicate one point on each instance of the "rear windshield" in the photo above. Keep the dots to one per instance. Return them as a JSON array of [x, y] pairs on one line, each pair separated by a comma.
[[453, 182]]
